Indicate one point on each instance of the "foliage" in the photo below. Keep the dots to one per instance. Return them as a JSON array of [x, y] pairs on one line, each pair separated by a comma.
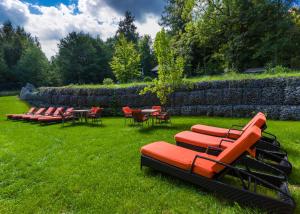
[[147, 79], [218, 35], [277, 70], [126, 61], [108, 81], [21, 58], [37, 72], [127, 28], [170, 69], [82, 59], [147, 56]]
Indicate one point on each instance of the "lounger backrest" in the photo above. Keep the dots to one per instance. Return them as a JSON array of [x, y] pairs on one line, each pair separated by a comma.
[[243, 144], [69, 110], [31, 110], [49, 111], [258, 120], [156, 108], [40, 111], [127, 110], [56, 113]]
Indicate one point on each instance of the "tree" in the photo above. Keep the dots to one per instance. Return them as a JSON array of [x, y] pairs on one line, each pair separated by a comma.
[[170, 69], [18, 51], [176, 14], [126, 61], [36, 73], [82, 59], [238, 34], [147, 55], [127, 28]]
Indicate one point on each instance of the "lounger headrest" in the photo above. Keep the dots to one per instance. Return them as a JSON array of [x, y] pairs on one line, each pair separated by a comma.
[[258, 120], [50, 110], [57, 111], [40, 111], [31, 110], [243, 144]]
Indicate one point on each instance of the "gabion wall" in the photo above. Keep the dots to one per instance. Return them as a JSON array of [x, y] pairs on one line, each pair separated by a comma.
[[279, 98]]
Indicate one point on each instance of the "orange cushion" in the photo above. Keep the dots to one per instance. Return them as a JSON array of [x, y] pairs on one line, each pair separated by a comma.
[[179, 157], [200, 140], [239, 147], [258, 120], [215, 131]]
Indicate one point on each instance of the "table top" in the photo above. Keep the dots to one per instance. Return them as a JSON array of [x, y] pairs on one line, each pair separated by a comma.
[[81, 110], [149, 110]]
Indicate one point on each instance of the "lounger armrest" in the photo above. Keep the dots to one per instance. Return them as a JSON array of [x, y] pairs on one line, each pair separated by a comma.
[[270, 134], [274, 146], [225, 140], [234, 128], [239, 173], [212, 150]]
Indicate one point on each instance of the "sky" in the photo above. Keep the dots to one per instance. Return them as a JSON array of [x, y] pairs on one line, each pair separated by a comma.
[[52, 20]]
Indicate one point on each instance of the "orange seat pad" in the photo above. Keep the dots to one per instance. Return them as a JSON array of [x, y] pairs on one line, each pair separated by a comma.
[[179, 157], [258, 120], [201, 140], [49, 118], [215, 131]]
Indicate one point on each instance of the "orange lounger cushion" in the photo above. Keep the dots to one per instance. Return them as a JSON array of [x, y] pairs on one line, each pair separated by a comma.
[[200, 140], [215, 131], [179, 157], [258, 120]]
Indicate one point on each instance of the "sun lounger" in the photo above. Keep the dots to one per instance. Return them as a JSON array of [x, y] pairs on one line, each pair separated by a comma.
[[201, 142], [215, 173], [19, 116], [269, 141]]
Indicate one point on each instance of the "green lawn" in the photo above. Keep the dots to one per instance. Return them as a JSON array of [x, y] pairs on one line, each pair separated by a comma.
[[92, 169], [227, 76]]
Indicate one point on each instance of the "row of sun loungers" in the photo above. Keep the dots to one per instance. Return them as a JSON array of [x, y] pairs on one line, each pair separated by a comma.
[[44, 115], [244, 164]]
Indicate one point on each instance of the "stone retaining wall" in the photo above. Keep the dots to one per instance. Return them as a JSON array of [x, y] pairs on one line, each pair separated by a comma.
[[279, 98]]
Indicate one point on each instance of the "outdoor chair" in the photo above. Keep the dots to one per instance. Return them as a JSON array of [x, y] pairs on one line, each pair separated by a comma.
[[214, 172], [19, 116], [163, 117], [95, 114], [139, 117], [269, 141], [155, 114], [200, 142], [127, 111]]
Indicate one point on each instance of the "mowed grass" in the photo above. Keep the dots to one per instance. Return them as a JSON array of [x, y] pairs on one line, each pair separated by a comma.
[[96, 169]]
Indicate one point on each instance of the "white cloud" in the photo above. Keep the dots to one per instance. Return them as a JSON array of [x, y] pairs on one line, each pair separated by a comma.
[[50, 24]]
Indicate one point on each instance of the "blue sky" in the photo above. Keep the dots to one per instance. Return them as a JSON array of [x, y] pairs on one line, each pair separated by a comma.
[[51, 20]]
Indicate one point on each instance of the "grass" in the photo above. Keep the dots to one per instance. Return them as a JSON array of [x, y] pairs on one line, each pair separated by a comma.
[[95, 169], [227, 76]]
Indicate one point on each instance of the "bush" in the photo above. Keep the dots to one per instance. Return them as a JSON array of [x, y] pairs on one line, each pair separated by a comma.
[[108, 81], [277, 69], [147, 79]]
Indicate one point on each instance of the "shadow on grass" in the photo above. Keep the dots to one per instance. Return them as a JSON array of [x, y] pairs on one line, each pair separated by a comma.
[[92, 125], [149, 129], [196, 189]]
